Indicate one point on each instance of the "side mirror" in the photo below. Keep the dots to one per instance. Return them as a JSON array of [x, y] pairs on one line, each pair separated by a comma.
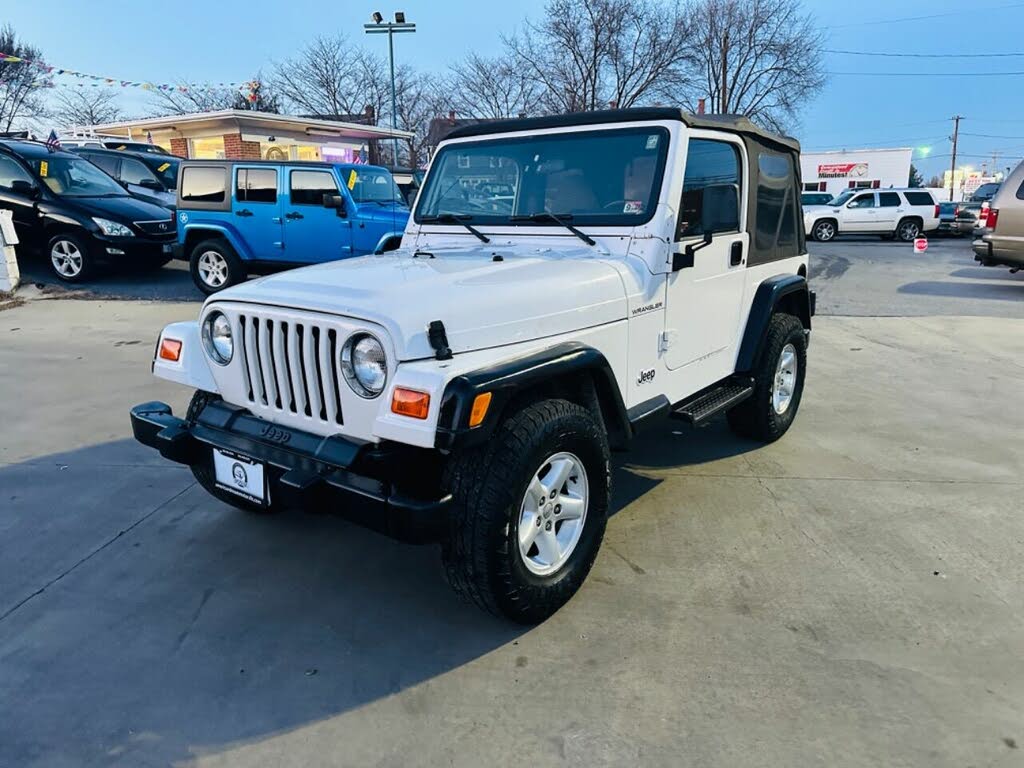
[[153, 184], [337, 202], [24, 189]]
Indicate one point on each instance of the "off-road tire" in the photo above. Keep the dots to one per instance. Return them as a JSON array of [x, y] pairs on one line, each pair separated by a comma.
[[755, 417], [236, 272], [481, 553], [203, 472]]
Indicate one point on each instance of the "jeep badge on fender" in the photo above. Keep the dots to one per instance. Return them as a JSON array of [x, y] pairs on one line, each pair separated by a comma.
[[549, 301]]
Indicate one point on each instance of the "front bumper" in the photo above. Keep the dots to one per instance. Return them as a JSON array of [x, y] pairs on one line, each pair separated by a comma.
[[303, 470], [129, 250]]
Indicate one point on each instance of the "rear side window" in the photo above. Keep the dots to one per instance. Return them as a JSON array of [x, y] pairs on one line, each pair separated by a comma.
[[107, 163], [707, 163], [888, 200], [256, 185], [1020, 191], [919, 198], [309, 187], [775, 228], [203, 185], [135, 171]]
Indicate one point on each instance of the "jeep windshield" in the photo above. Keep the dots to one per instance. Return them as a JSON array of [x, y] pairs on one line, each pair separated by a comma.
[[71, 176], [606, 177], [372, 186]]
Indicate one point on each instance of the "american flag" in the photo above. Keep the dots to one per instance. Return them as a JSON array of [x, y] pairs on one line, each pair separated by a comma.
[[360, 159], [52, 142], [149, 137]]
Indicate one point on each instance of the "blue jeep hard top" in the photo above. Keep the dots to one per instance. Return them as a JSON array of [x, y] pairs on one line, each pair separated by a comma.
[[237, 217]]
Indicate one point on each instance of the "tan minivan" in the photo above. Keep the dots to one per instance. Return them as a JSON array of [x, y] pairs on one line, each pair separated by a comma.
[[1002, 241]]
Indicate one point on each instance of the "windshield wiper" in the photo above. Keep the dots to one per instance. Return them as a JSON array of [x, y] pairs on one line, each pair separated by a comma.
[[562, 218], [451, 218]]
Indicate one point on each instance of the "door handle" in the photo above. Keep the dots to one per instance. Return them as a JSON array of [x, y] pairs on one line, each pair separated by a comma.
[[243, 212], [736, 254], [294, 215], [276, 220]]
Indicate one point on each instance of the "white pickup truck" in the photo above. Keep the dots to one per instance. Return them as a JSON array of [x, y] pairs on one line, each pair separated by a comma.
[[468, 388]]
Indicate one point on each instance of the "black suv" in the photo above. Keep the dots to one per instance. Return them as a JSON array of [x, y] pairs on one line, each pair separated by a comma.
[[151, 177], [77, 215]]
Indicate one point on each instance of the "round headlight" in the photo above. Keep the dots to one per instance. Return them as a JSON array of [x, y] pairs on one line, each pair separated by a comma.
[[217, 338], [364, 365]]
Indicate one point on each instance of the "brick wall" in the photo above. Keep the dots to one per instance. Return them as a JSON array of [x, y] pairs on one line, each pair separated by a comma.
[[179, 147], [237, 149]]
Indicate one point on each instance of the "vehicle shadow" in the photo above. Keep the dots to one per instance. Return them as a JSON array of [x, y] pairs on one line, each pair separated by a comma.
[[172, 282], [988, 273], [961, 290], [162, 624]]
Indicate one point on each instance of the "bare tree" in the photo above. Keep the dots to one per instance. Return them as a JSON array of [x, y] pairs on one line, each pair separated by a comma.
[[489, 88], [21, 82], [325, 78], [85, 106], [589, 54], [186, 99], [759, 58]]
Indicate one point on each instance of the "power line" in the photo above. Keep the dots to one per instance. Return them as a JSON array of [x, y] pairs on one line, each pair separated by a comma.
[[923, 18], [927, 74], [990, 136], [924, 55]]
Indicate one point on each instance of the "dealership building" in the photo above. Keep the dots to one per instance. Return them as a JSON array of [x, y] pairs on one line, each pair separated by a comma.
[[842, 169], [249, 135]]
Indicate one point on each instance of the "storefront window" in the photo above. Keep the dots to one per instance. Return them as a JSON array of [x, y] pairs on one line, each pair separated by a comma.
[[207, 149]]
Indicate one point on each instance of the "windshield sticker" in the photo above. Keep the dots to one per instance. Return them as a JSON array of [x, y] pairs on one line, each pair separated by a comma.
[[162, 168], [44, 168], [353, 177], [633, 206], [652, 142]]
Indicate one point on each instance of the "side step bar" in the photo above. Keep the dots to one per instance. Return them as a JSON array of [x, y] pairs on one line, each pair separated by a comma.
[[711, 402]]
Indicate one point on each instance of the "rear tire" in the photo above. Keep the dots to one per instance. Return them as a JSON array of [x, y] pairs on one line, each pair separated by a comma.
[[203, 472], [493, 556], [215, 266], [908, 230], [778, 383]]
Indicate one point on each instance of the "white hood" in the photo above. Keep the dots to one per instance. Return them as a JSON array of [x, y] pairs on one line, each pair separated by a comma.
[[530, 294]]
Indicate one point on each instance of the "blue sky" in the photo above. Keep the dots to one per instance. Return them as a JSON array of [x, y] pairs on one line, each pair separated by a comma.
[[195, 40]]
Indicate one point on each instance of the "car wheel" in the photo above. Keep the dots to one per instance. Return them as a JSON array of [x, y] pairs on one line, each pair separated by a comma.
[[907, 230], [215, 266], [778, 383], [203, 472], [824, 231], [529, 511], [70, 258]]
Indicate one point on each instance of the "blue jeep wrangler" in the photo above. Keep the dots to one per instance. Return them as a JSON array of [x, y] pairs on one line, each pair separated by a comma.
[[237, 217]]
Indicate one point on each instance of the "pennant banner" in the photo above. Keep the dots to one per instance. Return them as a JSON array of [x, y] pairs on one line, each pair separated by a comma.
[[100, 81]]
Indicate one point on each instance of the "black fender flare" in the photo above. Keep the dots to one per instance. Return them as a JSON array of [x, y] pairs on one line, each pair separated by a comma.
[[507, 378], [794, 296]]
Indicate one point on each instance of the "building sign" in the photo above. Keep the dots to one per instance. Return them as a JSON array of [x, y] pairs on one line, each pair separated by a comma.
[[842, 170]]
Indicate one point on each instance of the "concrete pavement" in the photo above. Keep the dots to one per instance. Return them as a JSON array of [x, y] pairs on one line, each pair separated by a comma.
[[849, 596]]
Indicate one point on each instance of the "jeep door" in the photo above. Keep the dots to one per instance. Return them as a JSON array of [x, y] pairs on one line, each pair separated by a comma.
[[313, 232], [257, 211], [861, 214], [703, 301]]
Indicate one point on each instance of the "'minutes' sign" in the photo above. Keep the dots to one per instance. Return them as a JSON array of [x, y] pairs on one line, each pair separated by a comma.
[[842, 170]]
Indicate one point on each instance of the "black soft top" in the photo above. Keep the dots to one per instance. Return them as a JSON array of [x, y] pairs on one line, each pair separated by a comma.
[[731, 123]]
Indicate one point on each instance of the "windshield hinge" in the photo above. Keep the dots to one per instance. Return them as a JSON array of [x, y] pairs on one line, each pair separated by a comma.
[[665, 340], [438, 338]]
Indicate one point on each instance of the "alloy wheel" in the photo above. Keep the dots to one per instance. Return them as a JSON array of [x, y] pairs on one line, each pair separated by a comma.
[[553, 513], [784, 384], [66, 258], [213, 269]]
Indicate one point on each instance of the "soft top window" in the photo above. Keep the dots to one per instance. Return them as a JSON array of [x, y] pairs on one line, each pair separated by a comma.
[[203, 185]]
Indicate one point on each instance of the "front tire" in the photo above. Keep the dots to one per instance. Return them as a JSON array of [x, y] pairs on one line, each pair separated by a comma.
[[824, 231], [203, 472], [70, 259], [529, 512], [778, 383], [215, 266]]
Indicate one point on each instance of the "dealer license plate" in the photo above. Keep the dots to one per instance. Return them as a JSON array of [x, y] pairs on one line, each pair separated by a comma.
[[240, 475]]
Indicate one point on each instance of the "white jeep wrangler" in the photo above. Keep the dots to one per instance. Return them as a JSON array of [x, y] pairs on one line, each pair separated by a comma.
[[563, 283]]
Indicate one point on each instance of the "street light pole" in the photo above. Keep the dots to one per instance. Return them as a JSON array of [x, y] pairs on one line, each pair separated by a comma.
[[391, 28]]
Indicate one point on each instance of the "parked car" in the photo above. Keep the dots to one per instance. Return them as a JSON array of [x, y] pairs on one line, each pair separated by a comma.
[[815, 198], [149, 176], [78, 215], [901, 213], [966, 219], [106, 142], [985, 192], [468, 388], [947, 218], [1002, 240], [240, 217]]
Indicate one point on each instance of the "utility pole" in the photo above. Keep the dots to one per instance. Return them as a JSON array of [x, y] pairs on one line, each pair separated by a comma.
[[952, 170], [724, 104]]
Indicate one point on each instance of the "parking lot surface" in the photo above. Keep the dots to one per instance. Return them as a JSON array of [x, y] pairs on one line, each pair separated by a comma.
[[851, 595]]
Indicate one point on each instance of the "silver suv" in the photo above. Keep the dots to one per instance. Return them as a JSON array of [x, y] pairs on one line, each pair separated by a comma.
[[1002, 241]]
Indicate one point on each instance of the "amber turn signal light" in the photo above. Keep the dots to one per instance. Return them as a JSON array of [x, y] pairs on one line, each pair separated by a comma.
[[479, 410], [170, 349], [409, 402]]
